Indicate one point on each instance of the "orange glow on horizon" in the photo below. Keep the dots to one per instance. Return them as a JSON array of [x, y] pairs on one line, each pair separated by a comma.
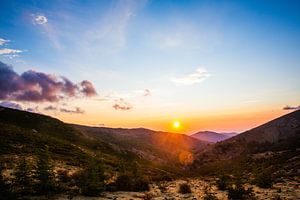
[[220, 122]]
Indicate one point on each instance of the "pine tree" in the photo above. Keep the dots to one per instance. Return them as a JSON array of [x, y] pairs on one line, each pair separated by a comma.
[[44, 174], [23, 182], [92, 179], [5, 189]]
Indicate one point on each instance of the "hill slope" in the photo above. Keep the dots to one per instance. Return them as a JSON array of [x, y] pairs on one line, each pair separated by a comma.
[[272, 145], [151, 145], [26, 134], [211, 136]]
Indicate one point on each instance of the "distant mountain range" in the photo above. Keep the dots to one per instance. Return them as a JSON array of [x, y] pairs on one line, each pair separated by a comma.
[[211, 136]]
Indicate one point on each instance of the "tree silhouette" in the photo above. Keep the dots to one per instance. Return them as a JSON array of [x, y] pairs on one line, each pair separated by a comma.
[[44, 174], [5, 189], [92, 179], [23, 181]]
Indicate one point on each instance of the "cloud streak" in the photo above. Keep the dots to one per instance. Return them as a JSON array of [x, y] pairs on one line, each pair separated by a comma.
[[77, 110], [121, 104], [35, 86], [3, 41], [9, 51], [197, 76], [291, 107]]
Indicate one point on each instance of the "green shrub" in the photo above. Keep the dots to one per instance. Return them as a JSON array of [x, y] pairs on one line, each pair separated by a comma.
[[128, 182], [44, 175], [123, 182], [238, 192], [140, 184], [5, 189], [22, 182], [263, 180], [91, 179], [223, 182], [184, 188]]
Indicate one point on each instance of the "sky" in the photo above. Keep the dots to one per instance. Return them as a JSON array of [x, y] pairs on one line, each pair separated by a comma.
[[224, 66]]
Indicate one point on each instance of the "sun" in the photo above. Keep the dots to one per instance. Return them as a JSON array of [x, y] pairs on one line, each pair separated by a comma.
[[176, 125]]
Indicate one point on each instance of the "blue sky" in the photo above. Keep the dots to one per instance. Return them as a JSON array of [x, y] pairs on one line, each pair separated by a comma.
[[195, 58]]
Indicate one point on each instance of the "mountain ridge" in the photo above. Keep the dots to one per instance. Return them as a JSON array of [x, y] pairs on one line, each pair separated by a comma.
[[212, 136]]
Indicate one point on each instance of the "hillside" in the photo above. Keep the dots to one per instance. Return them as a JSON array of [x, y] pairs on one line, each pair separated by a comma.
[[161, 147], [273, 145], [26, 134], [211, 136]]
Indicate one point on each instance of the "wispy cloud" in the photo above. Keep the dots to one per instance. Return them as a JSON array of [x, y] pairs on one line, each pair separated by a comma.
[[197, 76], [41, 21], [121, 104], [287, 107], [147, 92], [75, 110], [110, 30], [50, 108], [3, 41], [9, 51]]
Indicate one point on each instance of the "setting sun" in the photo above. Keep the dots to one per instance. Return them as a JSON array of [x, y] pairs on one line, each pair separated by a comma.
[[176, 124]]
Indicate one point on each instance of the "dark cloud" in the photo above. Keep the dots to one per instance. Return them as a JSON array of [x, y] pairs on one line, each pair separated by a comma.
[[121, 104], [50, 108], [8, 104], [88, 89], [291, 107], [77, 110], [39, 87], [35, 109], [17, 106]]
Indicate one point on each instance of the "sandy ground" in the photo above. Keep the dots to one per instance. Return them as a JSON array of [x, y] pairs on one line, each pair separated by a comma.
[[287, 190]]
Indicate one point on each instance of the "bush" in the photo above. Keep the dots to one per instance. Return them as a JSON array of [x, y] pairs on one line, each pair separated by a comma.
[[5, 189], [123, 182], [184, 188], [140, 184], [263, 180], [44, 175], [238, 192], [128, 182], [223, 182], [22, 182], [92, 179]]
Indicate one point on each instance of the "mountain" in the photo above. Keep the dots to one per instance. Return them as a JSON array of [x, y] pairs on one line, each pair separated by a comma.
[[211, 136], [26, 134], [151, 145], [274, 144]]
